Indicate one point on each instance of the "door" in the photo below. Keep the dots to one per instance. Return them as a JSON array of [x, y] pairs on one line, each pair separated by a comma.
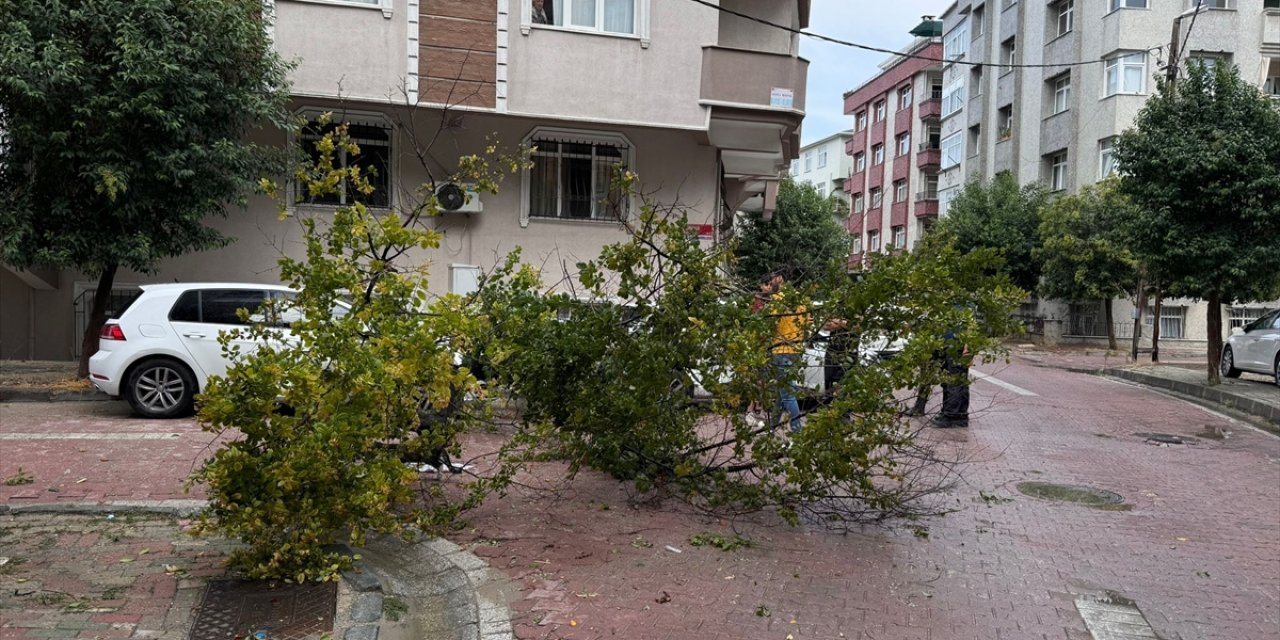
[[201, 315], [1260, 342]]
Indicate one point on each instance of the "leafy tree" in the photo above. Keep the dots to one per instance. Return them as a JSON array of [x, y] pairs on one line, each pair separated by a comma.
[[125, 126], [1083, 256], [804, 237], [1003, 216], [1203, 159]]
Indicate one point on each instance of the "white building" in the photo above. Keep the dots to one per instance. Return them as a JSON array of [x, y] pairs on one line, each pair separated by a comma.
[[825, 165]]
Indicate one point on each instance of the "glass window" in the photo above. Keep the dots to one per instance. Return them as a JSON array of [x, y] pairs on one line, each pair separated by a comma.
[[904, 144], [880, 110], [904, 97], [953, 99], [374, 162], [900, 191], [187, 308], [861, 120], [900, 237], [1172, 321], [1062, 94], [1009, 52], [1128, 4], [1058, 171], [822, 158], [575, 180], [219, 306], [956, 43], [611, 16], [944, 199], [877, 197], [877, 154], [873, 240], [808, 161], [1004, 120], [1106, 158], [978, 15], [857, 203], [1066, 16], [860, 161], [1126, 73], [952, 150], [857, 244]]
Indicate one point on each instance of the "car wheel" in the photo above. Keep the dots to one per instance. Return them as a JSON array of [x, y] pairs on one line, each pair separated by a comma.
[[161, 388], [1228, 364]]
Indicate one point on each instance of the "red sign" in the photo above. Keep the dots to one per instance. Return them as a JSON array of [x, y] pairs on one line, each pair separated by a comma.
[[703, 231]]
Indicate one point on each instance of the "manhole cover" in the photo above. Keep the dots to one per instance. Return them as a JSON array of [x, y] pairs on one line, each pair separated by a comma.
[[1070, 493], [1165, 438], [1114, 617], [234, 609]]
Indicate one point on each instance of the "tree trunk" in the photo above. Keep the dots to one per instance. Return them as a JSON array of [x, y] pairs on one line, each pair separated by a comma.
[[1155, 325], [1111, 325], [1215, 336], [1140, 307], [97, 317]]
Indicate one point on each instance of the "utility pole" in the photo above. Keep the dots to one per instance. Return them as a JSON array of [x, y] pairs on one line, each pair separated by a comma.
[[1171, 70]]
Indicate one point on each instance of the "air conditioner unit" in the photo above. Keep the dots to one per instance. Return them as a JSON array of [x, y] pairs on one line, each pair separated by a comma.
[[459, 197]]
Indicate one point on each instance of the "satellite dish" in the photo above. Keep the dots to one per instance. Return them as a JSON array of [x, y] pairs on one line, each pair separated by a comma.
[[451, 197]]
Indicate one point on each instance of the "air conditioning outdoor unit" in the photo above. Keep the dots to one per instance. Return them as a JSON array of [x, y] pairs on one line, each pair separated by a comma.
[[459, 197]]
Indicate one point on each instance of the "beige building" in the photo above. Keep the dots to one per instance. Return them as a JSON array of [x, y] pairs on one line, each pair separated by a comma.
[[825, 165], [1056, 123], [705, 106]]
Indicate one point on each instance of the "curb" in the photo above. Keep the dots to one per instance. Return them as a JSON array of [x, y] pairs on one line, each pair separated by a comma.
[[10, 394], [1215, 395], [473, 590]]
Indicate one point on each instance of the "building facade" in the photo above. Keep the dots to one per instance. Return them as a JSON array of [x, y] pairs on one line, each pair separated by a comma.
[[895, 152], [825, 165], [703, 105], [1056, 123]]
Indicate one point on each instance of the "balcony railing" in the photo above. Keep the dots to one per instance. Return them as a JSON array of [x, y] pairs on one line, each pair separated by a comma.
[[922, 196]]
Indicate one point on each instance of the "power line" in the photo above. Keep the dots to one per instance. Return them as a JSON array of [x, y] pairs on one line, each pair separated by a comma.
[[915, 56], [1187, 40]]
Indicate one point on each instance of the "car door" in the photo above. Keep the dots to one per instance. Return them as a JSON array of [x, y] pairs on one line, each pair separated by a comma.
[[202, 315], [1263, 340]]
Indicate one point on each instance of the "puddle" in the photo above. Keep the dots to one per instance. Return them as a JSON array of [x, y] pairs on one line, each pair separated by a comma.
[[1087, 496]]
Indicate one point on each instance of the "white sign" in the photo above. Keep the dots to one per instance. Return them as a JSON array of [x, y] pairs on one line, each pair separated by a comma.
[[784, 98]]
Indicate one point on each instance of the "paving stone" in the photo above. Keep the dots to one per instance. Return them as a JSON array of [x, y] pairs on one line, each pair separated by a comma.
[[367, 607], [361, 579], [362, 632]]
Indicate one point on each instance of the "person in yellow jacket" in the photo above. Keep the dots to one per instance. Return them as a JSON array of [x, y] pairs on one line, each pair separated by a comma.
[[788, 347]]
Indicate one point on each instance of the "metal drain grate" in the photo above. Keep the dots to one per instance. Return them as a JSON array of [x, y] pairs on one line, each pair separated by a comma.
[[1089, 496], [1113, 617], [243, 609]]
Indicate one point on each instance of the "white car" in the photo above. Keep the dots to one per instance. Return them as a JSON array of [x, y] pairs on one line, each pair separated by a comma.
[[820, 373], [1256, 348], [162, 350]]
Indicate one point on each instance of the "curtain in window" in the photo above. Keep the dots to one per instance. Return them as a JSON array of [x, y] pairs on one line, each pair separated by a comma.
[[584, 13], [556, 13], [619, 16]]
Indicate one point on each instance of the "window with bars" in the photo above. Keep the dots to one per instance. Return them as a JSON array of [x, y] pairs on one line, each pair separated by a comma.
[[575, 180], [1242, 316], [373, 160], [1173, 320]]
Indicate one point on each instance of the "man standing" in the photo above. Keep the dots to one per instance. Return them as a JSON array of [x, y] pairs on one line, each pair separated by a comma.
[[788, 346], [955, 389]]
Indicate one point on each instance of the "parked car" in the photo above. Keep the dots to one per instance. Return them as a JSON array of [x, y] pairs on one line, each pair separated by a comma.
[[1255, 348], [162, 350]]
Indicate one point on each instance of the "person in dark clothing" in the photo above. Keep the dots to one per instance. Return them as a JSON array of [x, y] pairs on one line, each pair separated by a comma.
[[955, 390]]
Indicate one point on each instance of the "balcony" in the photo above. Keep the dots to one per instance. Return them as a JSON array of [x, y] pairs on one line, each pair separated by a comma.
[[757, 103], [1271, 30], [931, 109], [929, 157], [927, 204], [856, 183]]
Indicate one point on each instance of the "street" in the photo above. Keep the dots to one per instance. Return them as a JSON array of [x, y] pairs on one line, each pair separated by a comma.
[[1194, 543]]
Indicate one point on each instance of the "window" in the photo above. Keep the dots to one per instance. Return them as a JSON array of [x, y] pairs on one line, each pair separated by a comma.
[[900, 237], [1066, 16], [1128, 4], [877, 155], [374, 162], [1243, 316], [952, 150], [978, 17], [1271, 86], [880, 111], [944, 199], [857, 203], [795, 167], [975, 139], [1106, 158], [953, 100], [808, 161], [216, 306], [975, 80], [1209, 61], [904, 144], [861, 119], [956, 43], [1271, 4], [873, 240], [877, 197], [899, 190], [859, 161], [1009, 53], [822, 158], [1062, 93], [904, 98], [933, 136], [610, 16], [1212, 4], [930, 189], [573, 178], [1172, 321], [1126, 73], [1004, 120], [935, 89], [1058, 171], [822, 190], [855, 244]]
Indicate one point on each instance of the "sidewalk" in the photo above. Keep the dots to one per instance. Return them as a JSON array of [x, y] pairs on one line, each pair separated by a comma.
[[1180, 372]]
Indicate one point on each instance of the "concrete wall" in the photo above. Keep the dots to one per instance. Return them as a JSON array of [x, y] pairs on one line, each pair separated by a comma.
[[359, 53], [740, 33]]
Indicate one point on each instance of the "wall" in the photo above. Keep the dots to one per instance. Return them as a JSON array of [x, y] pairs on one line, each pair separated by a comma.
[[359, 54]]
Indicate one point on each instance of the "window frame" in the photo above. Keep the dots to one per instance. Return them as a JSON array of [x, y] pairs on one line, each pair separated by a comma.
[[904, 97], [808, 161], [860, 120], [957, 141], [1117, 5], [1106, 158], [860, 161], [899, 236], [351, 118], [855, 243], [881, 110], [904, 144], [877, 198], [1061, 93], [576, 136], [1116, 66], [1058, 171], [953, 99], [899, 191], [857, 203], [822, 158], [873, 240], [1065, 14], [639, 21], [955, 45], [877, 154]]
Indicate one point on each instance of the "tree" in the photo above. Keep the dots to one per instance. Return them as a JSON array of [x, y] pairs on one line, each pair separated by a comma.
[[126, 125], [804, 237], [1082, 255], [1203, 159], [1003, 216]]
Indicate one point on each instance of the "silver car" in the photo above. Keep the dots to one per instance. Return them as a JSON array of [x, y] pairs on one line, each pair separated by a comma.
[[1256, 348]]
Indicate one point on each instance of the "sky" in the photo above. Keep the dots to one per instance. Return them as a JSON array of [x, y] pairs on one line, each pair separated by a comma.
[[835, 69]]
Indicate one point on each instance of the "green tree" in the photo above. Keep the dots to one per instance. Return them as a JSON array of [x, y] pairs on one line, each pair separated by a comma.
[[1083, 256], [804, 237], [1203, 159], [126, 125], [1003, 216]]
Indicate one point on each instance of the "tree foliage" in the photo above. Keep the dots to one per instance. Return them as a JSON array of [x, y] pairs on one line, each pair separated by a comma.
[[1203, 160], [1003, 216], [803, 238], [126, 125]]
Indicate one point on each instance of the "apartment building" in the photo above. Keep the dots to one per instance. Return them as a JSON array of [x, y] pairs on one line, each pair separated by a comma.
[[825, 165], [1056, 124], [703, 105], [894, 151]]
